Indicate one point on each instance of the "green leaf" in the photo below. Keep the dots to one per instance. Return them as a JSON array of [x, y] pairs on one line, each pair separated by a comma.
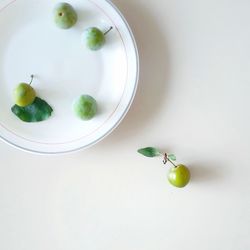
[[149, 152], [172, 157], [38, 111]]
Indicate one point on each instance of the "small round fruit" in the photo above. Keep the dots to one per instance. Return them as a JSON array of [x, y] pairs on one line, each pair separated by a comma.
[[93, 38], [64, 15], [179, 176], [24, 95], [85, 107]]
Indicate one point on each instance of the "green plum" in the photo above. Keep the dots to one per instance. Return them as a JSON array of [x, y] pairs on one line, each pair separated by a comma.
[[24, 94], [179, 176], [64, 15], [94, 38], [85, 107]]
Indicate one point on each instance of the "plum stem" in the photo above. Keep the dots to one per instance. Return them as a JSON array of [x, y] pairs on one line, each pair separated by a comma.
[[106, 32], [32, 77], [166, 159], [172, 163]]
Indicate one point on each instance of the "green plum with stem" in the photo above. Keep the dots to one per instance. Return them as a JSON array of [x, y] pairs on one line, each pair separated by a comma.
[[65, 15], [85, 107], [178, 175], [24, 94], [94, 38]]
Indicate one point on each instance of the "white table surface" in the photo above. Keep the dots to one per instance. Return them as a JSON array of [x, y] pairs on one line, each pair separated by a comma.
[[193, 99]]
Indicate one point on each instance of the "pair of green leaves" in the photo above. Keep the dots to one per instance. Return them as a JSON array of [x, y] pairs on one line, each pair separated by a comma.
[[154, 152], [38, 111]]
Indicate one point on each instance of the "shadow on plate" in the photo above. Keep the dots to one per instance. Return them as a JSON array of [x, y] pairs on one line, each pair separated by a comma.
[[154, 71]]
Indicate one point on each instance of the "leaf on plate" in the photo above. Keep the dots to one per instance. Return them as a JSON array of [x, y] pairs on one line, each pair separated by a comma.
[[172, 157], [38, 111], [149, 152]]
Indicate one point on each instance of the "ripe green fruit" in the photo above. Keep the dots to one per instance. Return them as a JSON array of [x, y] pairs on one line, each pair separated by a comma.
[[85, 107], [179, 176], [24, 95], [93, 38], [64, 15]]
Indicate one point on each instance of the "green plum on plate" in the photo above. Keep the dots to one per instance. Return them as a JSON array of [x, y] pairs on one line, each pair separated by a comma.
[[24, 94], [28, 107], [94, 38], [85, 107], [65, 16]]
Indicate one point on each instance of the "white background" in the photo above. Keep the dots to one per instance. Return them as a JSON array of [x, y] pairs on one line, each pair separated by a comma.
[[193, 100]]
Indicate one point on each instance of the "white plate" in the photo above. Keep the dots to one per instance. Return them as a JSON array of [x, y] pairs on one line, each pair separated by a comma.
[[64, 69]]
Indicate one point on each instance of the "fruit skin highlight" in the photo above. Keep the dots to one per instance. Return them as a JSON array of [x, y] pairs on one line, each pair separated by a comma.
[[64, 15], [179, 176], [85, 107], [24, 95]]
